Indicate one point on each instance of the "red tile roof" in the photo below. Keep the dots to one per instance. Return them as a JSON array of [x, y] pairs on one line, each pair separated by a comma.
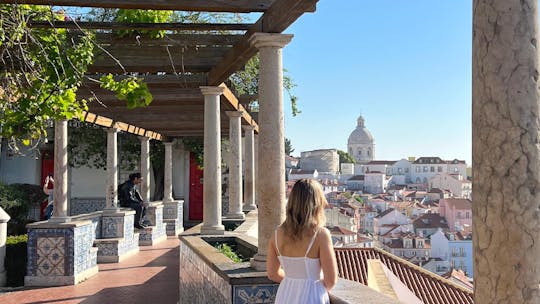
[[429, 287], [382, 162], [340, 230]]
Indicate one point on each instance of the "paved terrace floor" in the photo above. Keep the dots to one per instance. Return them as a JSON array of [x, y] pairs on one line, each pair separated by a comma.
[[151, 276]]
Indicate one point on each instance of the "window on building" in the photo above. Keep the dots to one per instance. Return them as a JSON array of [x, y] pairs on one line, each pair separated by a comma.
[[359, 152], [418, 169], [456, 169], [406, 170], [399, 170], [467, 215], [432, 169], [368, 152], [439, 169], [459, 214], [425, 168], [453, 263], [425, 180], [418, 180], [462, 251]]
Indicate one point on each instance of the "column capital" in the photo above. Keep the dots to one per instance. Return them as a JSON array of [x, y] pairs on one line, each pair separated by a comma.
[[233, 114], [144, 138], [168, 143], [261, 40], [248, 127], [112, 130], [209, 90]]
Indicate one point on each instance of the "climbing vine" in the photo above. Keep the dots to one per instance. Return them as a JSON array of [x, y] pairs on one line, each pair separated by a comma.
[[41, 71]]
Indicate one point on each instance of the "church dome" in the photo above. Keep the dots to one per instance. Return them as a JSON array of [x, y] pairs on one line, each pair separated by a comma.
[[361, 134]]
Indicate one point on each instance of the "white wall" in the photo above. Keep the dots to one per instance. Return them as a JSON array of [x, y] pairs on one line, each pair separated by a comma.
[[87, 182], [19, 169]]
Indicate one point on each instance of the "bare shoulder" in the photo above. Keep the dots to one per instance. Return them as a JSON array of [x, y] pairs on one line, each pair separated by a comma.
[[324, 234]]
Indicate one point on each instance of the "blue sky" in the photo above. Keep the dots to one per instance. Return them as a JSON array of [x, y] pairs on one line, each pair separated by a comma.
[[404, 65]]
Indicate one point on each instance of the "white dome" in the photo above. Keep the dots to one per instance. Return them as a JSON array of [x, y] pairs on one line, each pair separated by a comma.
[[360, 135]]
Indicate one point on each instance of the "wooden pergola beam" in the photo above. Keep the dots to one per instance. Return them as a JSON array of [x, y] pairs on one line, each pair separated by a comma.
[[246, 117], [276, 19], [94, 25], [110, 123], [236, 6], [170, 40]]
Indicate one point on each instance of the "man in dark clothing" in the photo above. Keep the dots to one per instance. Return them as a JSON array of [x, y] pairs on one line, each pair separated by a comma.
[[129, 197]]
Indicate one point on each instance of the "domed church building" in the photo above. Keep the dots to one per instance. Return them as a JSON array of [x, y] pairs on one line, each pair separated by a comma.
[[361, 144]]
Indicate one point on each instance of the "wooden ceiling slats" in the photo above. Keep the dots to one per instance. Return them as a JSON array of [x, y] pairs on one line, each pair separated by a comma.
[[170, 26], [236, 6], [170, 40], [180, 63]]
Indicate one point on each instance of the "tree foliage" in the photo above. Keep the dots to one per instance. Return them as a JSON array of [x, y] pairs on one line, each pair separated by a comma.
[[345, 157], [288, 147], [41, 71], [246, 81]]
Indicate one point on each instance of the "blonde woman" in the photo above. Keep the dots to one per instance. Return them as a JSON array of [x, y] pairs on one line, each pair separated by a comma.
[[301, 248]]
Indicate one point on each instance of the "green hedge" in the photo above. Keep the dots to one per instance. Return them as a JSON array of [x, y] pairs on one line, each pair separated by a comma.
[[15, 262], [16, 200]]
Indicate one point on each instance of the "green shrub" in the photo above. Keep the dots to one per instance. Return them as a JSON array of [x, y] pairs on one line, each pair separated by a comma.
[[16, 199], [15, 262], [228, 252]]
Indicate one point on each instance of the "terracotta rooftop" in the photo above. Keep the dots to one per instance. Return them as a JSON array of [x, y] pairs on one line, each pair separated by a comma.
[[429, 287], [340, 230], [382, 214], [430, 220]]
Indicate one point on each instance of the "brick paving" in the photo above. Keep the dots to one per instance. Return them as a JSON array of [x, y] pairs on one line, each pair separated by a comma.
[[151, 276]]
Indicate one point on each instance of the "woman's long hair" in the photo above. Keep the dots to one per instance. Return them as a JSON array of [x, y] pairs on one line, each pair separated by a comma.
[[305, 209]]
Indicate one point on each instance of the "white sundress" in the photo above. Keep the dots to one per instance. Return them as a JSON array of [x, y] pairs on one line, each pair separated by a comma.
[[302, 283]]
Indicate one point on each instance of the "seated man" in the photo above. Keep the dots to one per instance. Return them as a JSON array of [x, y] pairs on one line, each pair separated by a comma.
[[129, 197]]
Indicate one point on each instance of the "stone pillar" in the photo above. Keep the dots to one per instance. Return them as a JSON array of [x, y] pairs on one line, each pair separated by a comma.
[[256, 166], [506, 154], [60, 173], [235, 166], [271, 167], [249, 175], [167, 191], [4, 218], [212, 162], [111, 190], [145, 168]]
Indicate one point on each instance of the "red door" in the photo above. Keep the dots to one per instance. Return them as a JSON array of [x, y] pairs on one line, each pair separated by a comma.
[[195, 190], [47, 167]]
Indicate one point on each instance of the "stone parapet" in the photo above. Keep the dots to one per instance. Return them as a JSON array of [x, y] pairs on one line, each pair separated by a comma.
[[155, 232], [173, 217], [118, 240], [60, 253]]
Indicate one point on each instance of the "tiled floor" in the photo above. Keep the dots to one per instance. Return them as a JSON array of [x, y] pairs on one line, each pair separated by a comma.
[[151, 276]]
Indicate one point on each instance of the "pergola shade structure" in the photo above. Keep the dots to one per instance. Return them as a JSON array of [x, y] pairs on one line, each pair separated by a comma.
[[190, 55]]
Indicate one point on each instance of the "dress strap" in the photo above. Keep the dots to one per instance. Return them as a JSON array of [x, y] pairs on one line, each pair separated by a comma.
[[312, 241], [275, 239]]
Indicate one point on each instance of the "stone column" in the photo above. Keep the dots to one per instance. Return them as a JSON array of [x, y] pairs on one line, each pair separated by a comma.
[[249, 175], [235, 166], [4, 218], [145, 168], [506, 154], [167, 191], [212, 162], [60, 172], [111, 189], [256, 166], [271, 167]]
